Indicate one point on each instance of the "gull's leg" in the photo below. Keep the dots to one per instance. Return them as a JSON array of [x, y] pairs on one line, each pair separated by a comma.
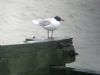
[[48, 34], [52, 34]]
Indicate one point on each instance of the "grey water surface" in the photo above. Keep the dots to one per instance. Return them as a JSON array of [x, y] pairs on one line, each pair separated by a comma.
[[82, 22]]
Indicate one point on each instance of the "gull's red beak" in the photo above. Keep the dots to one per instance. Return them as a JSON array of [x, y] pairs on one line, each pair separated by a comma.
[[62, 20]]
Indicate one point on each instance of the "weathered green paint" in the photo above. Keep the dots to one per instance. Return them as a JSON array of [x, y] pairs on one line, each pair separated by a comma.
[[34, 58]]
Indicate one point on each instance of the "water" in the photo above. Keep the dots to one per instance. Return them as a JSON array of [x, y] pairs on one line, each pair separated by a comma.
[[82, 22]]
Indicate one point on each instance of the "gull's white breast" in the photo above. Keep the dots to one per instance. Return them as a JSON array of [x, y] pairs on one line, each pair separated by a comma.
[[54, 24]]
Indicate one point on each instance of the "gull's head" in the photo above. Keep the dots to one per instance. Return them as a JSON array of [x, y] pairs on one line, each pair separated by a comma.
[[58, 18]]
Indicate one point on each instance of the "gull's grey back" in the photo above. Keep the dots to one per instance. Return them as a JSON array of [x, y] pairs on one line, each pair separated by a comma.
[[44, 23]]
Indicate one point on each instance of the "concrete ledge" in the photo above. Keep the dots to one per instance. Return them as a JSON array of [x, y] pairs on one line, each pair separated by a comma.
[[35, 40], [34, 58]]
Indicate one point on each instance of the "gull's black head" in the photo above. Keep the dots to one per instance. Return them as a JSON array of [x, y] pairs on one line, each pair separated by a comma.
[[58, 18]]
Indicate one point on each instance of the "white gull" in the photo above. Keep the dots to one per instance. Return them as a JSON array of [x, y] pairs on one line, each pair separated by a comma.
[[50, 24]]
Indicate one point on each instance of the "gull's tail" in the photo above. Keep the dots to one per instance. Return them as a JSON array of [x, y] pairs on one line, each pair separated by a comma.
[[35, 21]]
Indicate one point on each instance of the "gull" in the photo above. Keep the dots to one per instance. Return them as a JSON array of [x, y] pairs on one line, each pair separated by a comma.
[[50, 24]]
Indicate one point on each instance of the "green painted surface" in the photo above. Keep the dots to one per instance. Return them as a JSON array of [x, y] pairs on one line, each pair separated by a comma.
[[34, 58]]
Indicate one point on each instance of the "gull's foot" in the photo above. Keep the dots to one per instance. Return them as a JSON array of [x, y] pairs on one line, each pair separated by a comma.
[[48, 37], [52, 37]]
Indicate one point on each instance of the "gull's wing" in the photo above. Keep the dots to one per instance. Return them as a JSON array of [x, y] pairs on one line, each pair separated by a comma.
[[45, 23]]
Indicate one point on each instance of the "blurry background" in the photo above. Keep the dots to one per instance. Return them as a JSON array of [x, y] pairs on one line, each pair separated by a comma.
[[82, 22]]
